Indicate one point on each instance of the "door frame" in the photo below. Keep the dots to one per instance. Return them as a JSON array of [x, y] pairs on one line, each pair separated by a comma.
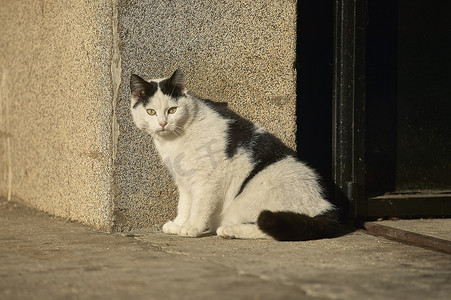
[[348, 132], [348, 128]]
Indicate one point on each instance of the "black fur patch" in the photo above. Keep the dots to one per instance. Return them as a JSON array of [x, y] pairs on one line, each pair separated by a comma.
[[240, 130], [142, 90], [216, 105], [169, 89], [240, 133], [174, 85], [265, 148], [290, 226]]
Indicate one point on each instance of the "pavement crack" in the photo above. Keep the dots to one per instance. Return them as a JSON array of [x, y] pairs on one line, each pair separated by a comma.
[[161, 247]]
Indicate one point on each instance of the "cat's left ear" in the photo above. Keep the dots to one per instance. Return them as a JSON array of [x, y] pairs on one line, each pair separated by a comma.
[[177, 80]]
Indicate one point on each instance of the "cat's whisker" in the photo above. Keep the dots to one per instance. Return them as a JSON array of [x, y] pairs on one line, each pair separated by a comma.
[[178, 130], [175, 131]]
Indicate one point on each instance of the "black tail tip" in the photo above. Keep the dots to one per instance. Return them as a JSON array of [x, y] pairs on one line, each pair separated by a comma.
[[291, 226], [266, 219]]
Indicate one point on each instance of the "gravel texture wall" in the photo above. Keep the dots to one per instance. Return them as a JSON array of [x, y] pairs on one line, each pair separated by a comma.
[[68, 144], [240, 52], [56, 107]]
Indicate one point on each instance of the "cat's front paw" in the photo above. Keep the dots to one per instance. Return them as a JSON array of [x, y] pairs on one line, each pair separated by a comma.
[[171, 228], [190, 231], [225, 232]]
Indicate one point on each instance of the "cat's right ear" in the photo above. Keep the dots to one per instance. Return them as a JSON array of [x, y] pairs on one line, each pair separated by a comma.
[[138, 87]]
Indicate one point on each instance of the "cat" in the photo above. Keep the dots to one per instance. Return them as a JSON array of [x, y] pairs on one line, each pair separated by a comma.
[[233, 177]]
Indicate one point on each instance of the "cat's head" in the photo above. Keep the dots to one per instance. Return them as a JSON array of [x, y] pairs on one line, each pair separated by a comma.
[[161, 107]]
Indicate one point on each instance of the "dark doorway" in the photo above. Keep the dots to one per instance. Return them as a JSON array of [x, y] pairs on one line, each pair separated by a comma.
[[374, 103], [408, 107], [314, 87], [408, 96]]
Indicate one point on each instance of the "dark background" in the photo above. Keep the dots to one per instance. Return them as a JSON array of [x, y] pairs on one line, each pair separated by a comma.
[[408, 94]]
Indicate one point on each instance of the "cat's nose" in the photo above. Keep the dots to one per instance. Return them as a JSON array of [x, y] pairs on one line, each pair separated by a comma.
[[162, 124]]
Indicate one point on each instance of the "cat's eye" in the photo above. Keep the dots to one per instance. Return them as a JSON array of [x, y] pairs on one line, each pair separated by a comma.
[[172, 110], [151, 111]]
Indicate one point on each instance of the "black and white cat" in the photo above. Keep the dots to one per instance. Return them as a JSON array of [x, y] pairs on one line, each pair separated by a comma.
[[233, 177]]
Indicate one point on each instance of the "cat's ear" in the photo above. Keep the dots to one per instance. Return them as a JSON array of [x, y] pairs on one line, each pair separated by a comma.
[[177, 80], [139, 88]]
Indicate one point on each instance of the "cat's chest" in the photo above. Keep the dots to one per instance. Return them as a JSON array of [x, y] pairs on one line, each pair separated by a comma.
[[188, 156], [168, 148]]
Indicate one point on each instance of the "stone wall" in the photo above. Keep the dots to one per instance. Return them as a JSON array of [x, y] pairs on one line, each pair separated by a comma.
[[68, 144], [56, 107]]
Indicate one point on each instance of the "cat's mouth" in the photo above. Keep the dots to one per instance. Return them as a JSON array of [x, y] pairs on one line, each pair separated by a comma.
[[163, 131]]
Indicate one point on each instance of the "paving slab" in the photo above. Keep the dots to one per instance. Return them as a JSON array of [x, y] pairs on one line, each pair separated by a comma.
[[44, 257], [354, 266], [438, 228]]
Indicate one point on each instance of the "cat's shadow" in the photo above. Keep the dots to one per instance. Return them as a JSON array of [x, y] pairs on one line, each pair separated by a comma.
[[342, 230], [207, 234]]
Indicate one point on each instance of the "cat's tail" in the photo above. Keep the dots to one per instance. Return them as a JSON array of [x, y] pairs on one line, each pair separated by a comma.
[[291, 226]]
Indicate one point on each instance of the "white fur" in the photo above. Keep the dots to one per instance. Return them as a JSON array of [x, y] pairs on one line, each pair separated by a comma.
[[192, 145]]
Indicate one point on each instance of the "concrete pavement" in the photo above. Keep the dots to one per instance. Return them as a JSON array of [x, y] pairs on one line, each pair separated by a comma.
[[44, 257]]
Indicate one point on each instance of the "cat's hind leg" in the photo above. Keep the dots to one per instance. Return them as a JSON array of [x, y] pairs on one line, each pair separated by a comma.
[[241, 231]]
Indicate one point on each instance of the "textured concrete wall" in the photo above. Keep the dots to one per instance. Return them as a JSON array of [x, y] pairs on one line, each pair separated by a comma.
[[68, 145], [56, 107], [240, 52]]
